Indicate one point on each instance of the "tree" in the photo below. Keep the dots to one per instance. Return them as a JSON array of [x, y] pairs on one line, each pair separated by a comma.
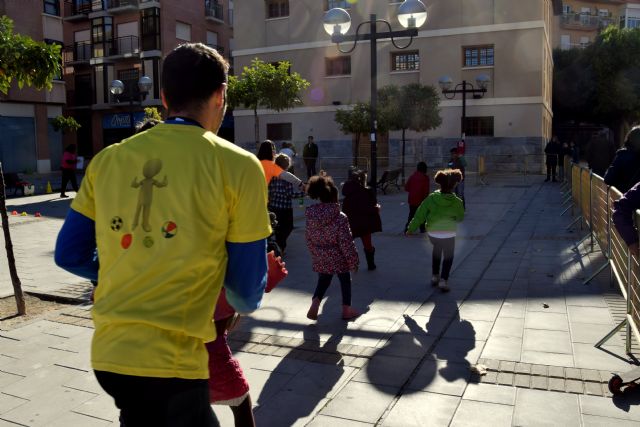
[[152, 113], [413, 106], [354, 121], [65, 124], [600, 83], [31, 63], [265, 85]]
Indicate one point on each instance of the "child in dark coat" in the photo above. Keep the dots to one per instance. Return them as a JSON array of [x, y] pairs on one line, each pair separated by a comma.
[[331, 245], [418, 188]]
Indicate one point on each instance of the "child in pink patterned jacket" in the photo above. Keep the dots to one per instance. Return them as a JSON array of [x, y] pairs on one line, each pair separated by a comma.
[[331, 245]]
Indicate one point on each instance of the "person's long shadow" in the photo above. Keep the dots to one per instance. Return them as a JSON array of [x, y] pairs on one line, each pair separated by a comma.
[[308, 384]]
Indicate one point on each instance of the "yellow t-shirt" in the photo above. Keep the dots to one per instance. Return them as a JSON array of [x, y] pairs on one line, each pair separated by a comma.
[[164, 203]]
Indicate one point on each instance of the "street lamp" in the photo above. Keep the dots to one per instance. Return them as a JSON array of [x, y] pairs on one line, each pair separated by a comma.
[[412, 14], [482, 81], [144, 86]]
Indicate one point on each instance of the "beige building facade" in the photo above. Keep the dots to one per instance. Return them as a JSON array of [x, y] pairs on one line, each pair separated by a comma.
[[509, 41], [29, 143]]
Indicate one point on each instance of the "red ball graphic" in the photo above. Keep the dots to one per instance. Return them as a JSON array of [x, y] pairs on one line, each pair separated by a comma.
[[126, 241]]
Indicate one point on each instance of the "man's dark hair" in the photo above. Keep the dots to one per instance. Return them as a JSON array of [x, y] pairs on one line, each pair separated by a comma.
[[422, 167], [266, 150], [191, 73], [322, 188]]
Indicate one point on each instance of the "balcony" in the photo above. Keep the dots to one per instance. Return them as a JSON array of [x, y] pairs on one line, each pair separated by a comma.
[[580, 21], [77, 53], [122, 6], [118, 48], [76, 10], [213, 11]]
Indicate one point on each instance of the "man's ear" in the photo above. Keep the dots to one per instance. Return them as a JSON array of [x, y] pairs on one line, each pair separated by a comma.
[[164, 101], [221, 98]]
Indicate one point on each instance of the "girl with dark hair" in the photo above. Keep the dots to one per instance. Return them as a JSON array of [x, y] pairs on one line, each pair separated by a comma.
[[441, 211], [331, 245], [266, 155], [362, 209]]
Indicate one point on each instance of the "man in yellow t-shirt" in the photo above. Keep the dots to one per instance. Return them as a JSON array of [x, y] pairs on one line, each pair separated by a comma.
[[173, 212]]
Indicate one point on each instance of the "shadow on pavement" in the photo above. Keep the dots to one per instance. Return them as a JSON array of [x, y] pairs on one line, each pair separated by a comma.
[[52, 208]]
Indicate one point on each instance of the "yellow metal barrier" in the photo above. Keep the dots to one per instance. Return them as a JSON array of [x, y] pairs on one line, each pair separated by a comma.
[[595, 200]]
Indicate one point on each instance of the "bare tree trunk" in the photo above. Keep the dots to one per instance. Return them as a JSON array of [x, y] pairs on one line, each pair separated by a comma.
[[15, 280], [257, 125]]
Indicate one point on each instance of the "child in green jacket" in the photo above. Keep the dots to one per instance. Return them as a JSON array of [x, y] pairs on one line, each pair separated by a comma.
[[442, 211]]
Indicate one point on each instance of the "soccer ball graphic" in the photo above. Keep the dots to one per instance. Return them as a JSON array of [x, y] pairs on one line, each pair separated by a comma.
[[116, 223], [169, 229]]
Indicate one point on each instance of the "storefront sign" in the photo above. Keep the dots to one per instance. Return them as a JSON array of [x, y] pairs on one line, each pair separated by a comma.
[[121, 120]]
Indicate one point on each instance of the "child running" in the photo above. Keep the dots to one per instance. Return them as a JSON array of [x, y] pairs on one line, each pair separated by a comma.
[[331, 245], [442, 211]]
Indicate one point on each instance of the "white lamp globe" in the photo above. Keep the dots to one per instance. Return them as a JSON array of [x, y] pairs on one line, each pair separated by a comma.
[[117, 87], [145, 84], [412, 14], [336, 21], [445, 82], [483, 81]]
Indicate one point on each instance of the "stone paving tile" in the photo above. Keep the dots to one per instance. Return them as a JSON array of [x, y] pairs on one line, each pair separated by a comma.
[[490, 393], [546, 341], [458, 350], [386, 370], [508, 327], [360, 402], [73, 419], [587, 356], [8, 402], [593, 421], [546, 321], [504, 348], [441, 377], [43, 379], [102, 407], [557, 359], [472, 413], [536, 407], [590, 333], [327, 421], [625, 408], [422, 409], [598, 315]]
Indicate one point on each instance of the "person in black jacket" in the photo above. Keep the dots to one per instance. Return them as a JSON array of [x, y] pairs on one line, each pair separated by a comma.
[[553, 151], [624, 171]]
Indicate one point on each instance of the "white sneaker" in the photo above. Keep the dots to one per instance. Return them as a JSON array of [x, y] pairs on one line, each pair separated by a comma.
[[444, 286], [435, 279]]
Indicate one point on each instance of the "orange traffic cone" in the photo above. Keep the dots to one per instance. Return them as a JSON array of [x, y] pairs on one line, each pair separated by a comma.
[[14, 213]]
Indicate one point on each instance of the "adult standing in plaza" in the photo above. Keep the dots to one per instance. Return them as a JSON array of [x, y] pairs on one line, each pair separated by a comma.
[[458, 161], [68, 168], [204, 216], [623, 212], [624, 171], [310, 156], [553, 151]]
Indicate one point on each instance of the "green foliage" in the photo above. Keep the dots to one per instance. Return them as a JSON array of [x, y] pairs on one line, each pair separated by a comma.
[[152, 113], [413, 106], [356, 120], [266, 85], [600, 83], [65, 124], [26, 61]]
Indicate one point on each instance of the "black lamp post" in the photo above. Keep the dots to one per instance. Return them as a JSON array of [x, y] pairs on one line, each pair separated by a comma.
[[464, 88], [412, 14], [144, 86]]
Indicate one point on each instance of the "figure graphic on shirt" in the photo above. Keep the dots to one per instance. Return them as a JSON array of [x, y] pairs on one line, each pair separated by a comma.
[[145, 197]]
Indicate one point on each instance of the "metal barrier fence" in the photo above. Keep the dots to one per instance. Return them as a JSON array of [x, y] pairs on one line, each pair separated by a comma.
[[595, 199]]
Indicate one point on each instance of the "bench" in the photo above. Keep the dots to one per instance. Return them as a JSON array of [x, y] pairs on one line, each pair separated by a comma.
[[12, 181], [389, 177]]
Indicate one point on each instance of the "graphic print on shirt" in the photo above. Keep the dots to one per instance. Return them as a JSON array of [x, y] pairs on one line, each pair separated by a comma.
[[145, 196]]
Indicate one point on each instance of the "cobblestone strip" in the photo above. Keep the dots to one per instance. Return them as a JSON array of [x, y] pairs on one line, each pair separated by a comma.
[[271, 345], [544, 377]]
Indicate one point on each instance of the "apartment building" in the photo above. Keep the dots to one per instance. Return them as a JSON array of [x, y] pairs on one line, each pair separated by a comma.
[[126, 40], [29, 143], [509, 41], [582, 20]]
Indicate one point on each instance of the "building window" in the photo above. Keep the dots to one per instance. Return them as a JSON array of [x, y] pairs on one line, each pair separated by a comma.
[[83, 90], [279, 131], [340, 66], [330, 4], [102, 36], [52, 7], [130, 79], [478, 56], [566, 8], [405, 61], [478, 126], [277, 8], [150, 28], [183, 31]]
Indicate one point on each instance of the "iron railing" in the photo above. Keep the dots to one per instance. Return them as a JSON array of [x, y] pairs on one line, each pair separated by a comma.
[[77, 7], [213, 10], [77, 52]]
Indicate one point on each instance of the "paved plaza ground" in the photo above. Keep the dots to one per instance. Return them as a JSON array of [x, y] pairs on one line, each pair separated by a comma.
[[517, 305]]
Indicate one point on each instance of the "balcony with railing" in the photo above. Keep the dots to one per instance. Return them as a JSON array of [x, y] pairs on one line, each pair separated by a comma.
[[582, 21], [120, 47], [75, 10], [213, 11], [77, 53], [116, 6]]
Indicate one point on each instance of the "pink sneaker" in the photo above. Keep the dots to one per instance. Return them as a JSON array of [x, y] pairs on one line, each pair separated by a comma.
[[313, 310], [349, 312]]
